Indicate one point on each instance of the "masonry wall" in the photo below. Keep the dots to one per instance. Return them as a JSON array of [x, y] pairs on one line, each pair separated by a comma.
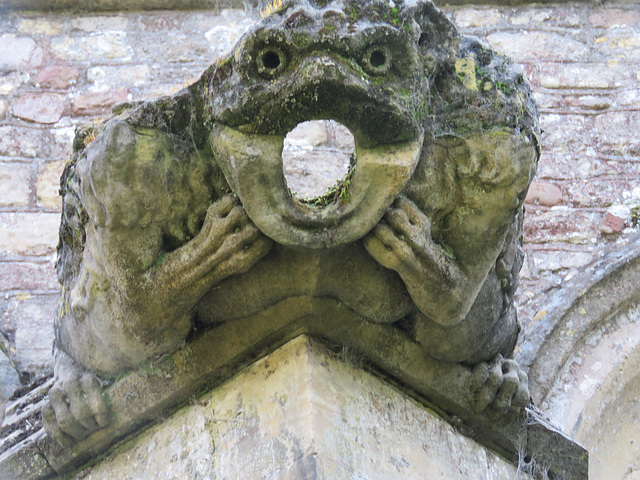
[[59, 70]]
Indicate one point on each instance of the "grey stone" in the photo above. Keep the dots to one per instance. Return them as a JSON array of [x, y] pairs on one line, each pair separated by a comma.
[[176, 215], [28, 233], [19, 141], [19, 52]]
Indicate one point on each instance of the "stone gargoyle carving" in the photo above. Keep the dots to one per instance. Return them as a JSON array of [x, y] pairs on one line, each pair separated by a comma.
[[177, 215]]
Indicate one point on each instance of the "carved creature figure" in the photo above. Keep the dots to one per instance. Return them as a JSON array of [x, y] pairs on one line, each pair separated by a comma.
[[177, 216]]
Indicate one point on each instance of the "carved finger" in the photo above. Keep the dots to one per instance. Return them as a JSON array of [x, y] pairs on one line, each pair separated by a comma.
[[379, 252], [66, 421], [96, 402], [487, 392], [509, 387], [222, 207], [243, 259], [399, 221], [522, 397], [415, 216], [393, 243], [53, 429]]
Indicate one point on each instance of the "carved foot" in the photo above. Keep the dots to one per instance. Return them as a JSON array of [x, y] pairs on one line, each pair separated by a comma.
[[76, 405], [500, 386]]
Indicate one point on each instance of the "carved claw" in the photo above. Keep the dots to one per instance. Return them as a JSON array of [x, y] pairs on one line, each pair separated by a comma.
[[500, 386], [76, 406], [227, 244]]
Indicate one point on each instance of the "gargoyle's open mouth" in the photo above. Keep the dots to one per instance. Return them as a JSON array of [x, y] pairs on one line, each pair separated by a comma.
[[248, 138], [319, 159]]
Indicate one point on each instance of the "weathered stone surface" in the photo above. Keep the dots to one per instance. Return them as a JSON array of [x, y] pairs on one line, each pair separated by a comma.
[[109, 78], [19, 141], [28, 233], [12, 81], [33, 332], [40, 26], [56, 76], [19, 52], [545, 194], [9, 380], [612, 223], [3, 107], [28, 276], [589, 102], [615, 17], [48, 185], [39, 107], [528, 46], [526, 18], [98, 103], [477, 17], [15, 181], [110, 45], [552, 262], [599, 192], [615, 133], [555, 139], [302, 413], [622, 43], [584, 75], [102, 23], [562, 225]]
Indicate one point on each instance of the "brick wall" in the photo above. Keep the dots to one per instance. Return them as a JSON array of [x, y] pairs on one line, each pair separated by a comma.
[[58, 70]]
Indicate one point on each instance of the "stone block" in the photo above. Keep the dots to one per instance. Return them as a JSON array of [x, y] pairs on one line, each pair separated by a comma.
[[532, 46], [40, 26], [583, 75], [19, 141], [477, 17], [559, 224], [301, 413], [19, 52], [100, 23], [628, 98], [111, 45], [619, 43], [98, 103], [527, 17], [56, 76], [12, 81], [616, 133], [560, 260], [108, 77], [32, 318], [555, 138], [545, 194], [599, 192], [615, 17], [15, 184], [39, 107], [612, 223], [588, 102], [28, 276], [29, 233], [48, 185], [3, 107]]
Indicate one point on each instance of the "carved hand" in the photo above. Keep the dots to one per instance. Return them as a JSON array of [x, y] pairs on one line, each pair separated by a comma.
[[227, 244], [76, 405], [402, 242], [500, 386]]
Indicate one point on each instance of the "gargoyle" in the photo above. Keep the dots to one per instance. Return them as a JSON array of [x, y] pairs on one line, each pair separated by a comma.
[[177, 216]]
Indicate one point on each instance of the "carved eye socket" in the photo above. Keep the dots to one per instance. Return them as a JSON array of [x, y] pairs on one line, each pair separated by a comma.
[[270, 61], [377, 59]]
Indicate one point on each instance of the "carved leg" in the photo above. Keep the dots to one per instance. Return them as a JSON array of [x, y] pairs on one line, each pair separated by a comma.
[[500, 386]]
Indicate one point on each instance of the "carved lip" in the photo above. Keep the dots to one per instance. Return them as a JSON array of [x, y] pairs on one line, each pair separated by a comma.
[[252, 165]]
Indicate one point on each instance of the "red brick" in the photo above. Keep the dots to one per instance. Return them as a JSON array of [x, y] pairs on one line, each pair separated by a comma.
[[98, 103], [57, 76]]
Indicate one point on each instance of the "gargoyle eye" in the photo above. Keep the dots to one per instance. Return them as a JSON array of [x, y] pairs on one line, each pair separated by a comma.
[[270, 61], [377, 59]]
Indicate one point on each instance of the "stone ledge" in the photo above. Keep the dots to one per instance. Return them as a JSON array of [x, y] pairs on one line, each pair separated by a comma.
[[123, 5], [148, 395]]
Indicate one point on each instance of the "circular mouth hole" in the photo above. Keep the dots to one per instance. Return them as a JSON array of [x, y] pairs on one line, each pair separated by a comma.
[[270, 60], [318, 162], [377, 59]]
